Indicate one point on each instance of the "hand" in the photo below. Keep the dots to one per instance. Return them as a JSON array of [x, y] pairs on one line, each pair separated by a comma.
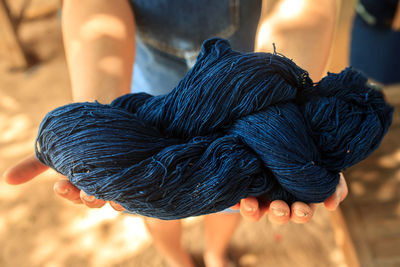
[[279, 212], [31, 167]]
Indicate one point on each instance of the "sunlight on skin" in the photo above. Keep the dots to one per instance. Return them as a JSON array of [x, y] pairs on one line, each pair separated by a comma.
[[287, 9], [89, 39], [112, 65], [263, 33], [291, 8], [100, 25], [191, 220], [293, 20]]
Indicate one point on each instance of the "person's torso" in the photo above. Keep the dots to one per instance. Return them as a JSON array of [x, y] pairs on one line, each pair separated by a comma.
[[169, 34]]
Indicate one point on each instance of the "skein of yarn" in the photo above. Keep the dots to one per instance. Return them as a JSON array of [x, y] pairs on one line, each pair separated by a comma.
[[237, 125]]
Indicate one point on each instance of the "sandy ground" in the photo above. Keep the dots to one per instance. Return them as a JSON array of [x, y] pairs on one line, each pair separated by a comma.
[[39, 229]]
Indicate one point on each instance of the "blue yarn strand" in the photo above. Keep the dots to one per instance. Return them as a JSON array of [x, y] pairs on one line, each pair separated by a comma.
[[237, 125]]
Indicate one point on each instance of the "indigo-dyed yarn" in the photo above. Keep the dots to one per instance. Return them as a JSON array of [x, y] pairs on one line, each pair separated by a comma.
[[237, 125]]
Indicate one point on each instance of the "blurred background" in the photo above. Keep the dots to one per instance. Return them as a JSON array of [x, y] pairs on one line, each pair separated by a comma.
[[37, 228]]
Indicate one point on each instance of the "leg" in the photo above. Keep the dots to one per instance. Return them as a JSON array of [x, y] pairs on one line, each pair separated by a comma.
[[167, 239], [219, 228]]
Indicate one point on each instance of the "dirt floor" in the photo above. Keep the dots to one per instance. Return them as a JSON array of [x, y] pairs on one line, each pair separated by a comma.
[[39, 229]]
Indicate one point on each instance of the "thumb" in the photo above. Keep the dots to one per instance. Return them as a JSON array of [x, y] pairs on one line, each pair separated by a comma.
[[332, 202], [24, 171]]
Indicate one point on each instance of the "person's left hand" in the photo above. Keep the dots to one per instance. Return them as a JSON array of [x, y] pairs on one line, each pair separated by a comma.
[[30, 168], [279, 211]]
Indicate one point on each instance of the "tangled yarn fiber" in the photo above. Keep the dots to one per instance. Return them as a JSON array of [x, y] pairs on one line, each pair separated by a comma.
[[237, 125]]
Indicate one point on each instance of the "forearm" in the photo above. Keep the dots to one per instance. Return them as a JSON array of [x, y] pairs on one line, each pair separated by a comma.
[[99, 40], [301, 30]]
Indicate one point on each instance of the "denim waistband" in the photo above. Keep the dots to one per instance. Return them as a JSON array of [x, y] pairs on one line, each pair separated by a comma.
[[170, 34]]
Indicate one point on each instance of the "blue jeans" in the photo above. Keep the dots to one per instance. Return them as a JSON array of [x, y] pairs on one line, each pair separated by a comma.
[[169, 35], [375, 47]]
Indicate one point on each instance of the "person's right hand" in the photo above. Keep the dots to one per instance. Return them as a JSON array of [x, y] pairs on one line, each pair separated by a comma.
[[31, 167], [279, 212]]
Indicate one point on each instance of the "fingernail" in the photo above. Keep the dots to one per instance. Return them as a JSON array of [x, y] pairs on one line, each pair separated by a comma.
[[279, 212], [116, 206], [62, 191], [89, 198], [300, 213], [248, 207]]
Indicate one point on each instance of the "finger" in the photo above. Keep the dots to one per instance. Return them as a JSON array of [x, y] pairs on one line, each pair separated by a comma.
[[249, 209], [279, 212], [301, 212], [236, 206], [66, 190], [116, 206], [24, 171], [344, 188], [91, 201], [332, 202]]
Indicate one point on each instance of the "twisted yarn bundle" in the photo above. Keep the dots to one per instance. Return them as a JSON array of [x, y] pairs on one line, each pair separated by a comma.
[[237, 125]]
